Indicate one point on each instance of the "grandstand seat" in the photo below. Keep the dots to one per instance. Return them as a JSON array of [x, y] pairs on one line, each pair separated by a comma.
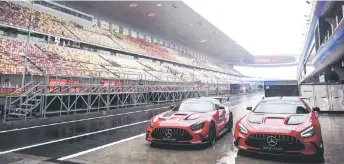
[[14, 15], [59, 60]]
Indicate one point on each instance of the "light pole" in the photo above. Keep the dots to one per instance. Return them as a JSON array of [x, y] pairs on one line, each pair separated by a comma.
[[27, 45]]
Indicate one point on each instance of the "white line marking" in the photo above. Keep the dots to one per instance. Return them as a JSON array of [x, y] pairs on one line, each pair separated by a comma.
[[64, 139], [98, 148], [87, 134], [107, 145], [93, 118]]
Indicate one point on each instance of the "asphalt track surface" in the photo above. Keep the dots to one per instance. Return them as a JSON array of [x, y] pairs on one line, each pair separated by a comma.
[[118, 139]]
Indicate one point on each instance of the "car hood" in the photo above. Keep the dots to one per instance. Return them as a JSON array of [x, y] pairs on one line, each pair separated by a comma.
[[284, 123], [177, 118]]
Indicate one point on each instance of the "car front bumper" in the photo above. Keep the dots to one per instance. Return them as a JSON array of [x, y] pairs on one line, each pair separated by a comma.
[[199, 137], [311, 147]]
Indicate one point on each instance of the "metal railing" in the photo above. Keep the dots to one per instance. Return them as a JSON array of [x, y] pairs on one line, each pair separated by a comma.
[[71, 97]]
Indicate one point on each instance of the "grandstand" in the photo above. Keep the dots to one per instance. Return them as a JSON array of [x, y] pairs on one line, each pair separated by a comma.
[[70, 53]]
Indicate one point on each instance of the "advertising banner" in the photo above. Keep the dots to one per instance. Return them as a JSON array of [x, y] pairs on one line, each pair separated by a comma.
[[62, 84], [7, 90], [112, 82]]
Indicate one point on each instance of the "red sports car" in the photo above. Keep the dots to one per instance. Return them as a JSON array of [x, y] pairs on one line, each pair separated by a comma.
[[193, 121], [280, 125]]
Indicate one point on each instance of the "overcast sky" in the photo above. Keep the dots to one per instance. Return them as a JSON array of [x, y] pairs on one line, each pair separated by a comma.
[[262, 27]]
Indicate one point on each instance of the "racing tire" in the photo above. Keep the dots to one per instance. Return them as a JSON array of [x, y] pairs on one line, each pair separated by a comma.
[[153, 145], [212, 135], [229, 125], [319, 156]]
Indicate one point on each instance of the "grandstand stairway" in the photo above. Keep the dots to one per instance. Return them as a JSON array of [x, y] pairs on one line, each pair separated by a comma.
[[147, 66], [33, 64], [109, 61], [116, 42], [26, 104], [71, 31], [26, 108], [152, 75]]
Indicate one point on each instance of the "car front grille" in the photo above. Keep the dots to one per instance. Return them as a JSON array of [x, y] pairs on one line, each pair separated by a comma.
[[288, 143], [177, 133]]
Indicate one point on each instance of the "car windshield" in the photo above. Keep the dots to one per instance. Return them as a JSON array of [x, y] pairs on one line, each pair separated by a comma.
[[196, 106], [281, 107]]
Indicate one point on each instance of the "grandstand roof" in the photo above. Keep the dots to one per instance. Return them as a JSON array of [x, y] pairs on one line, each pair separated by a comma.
[[173, 20]]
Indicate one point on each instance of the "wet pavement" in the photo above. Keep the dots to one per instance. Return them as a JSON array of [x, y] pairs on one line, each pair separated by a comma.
[[138, 151], [47, 143], [50, 143]]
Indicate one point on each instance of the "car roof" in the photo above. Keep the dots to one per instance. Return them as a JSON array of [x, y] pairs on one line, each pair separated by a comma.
[[208, 99], [281, 98]]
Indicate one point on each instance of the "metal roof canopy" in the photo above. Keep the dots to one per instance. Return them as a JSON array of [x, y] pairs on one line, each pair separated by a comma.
[[175, 21]]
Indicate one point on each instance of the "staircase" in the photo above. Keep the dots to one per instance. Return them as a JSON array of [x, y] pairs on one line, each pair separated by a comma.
[[147, 66], [157, 78], [26, 104], [109, 61]]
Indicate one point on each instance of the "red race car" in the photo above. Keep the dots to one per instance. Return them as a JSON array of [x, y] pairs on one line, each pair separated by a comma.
[[280, 125], [192, 122]]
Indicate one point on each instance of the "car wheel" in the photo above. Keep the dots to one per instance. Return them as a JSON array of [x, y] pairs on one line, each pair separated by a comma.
[[212, 135], [320, 154], [230, 124], [153, 145]]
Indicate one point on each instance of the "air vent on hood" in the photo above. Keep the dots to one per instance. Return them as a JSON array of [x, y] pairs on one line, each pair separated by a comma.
[[180, 114], [256, 119], [296, 119]]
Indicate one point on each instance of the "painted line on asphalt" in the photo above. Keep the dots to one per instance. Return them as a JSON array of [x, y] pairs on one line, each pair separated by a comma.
[[101, 147], [86, 119], [107, 145], [81, 135], [68, 138]]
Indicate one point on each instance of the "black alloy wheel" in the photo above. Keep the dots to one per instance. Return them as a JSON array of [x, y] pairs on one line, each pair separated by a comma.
[[319, 157], [212, 135], [230, 124]]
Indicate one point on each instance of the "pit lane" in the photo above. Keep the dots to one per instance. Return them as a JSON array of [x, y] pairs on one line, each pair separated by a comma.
[[138, 151], [51, 141], [127, 145]]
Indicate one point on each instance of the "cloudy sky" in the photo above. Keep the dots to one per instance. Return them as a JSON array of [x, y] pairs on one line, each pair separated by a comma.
[[263, 27]]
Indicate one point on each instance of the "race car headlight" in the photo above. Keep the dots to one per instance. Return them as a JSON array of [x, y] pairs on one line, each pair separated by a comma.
[[197, 126], [151, 123], [308, 132], [242, 128]]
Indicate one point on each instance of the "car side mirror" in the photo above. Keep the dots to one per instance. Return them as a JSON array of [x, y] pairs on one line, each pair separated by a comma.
[[316, 109], [249, 108], [172, 106]]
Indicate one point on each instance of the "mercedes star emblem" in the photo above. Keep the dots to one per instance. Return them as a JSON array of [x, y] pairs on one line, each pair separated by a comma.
[[272, 141], [168, 132]]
